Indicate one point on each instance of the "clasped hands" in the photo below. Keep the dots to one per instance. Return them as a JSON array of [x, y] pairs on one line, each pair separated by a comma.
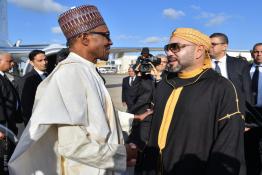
[[131, 154], [131, 148]]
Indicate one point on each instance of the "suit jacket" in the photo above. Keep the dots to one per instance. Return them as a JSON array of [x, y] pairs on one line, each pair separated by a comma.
[[238, 73], [10, 109], [144, 96], [129, 93], [28, 86], [253, 140]]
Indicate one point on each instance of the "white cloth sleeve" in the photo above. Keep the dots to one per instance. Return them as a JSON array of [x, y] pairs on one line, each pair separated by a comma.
[[76, 144], [126, 120]]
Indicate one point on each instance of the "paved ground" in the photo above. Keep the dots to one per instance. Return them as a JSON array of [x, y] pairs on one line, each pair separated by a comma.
[[114, 86]]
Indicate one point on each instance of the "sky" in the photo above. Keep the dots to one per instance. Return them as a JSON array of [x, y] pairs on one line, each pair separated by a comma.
[[141, 23]]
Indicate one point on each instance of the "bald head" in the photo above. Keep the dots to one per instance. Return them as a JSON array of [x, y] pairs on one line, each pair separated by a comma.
[[6, 61]]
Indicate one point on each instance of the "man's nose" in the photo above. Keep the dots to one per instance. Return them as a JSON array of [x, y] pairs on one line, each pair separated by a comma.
[[169, 53], [110, 42]]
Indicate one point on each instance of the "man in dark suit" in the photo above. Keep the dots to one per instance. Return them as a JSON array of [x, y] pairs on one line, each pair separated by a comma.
[[256, 74], [234, 69], [237, 70], [31, 80], [129, 89], [253, 137], [10, 111], [9, 98]]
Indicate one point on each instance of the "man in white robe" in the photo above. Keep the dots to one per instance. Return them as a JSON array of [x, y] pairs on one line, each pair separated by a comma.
[[73, 128]]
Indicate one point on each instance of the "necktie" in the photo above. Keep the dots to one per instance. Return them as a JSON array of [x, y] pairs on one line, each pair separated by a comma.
[[44, 75], [217, 68], [6, 77], [255, 84], [132, 81]]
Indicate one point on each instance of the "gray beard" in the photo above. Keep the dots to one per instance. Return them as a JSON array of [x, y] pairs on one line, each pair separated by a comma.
[[178, 68]]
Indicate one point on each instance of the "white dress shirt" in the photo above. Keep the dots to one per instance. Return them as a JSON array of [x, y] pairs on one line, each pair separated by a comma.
[[222, 63], [2, 73], [130, 80], [41, 73], [259, 91]]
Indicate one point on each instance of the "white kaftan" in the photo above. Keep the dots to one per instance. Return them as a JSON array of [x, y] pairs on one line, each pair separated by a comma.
[[73, 129]]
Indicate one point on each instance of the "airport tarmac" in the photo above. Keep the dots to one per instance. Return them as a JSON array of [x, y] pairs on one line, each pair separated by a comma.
[[114, 86]]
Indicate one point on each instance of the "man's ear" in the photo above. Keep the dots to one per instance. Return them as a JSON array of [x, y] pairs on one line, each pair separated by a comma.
[[252, 53], [31, 62], [225, 47], [199, 51], [85, 39]]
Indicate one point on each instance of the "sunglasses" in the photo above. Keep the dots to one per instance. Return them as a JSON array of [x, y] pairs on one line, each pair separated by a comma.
[[104, 34], [215, 44], [175, 47]]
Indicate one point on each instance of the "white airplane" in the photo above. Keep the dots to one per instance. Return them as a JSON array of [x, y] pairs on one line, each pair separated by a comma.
[[20, 54]]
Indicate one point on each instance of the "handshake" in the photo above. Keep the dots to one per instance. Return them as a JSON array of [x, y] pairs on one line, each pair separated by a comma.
[[131, 152], [131, 148]]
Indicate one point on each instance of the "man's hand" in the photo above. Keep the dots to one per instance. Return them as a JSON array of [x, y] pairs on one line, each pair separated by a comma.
[[154, 72], [138, 67], [124, 103], [144, 115], [2, 135], [247, 129], [131, 151]]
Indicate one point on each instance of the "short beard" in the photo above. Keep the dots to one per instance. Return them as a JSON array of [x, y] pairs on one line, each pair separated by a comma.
[[175, 69]]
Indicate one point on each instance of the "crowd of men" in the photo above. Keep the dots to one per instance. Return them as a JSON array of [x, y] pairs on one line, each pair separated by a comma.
[[195, 110]]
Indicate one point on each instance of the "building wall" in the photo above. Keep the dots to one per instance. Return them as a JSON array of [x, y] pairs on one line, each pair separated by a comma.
[[124, 62]]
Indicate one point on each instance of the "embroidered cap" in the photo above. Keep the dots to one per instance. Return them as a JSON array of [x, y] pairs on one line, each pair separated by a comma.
[[80, 19], [196, 37]]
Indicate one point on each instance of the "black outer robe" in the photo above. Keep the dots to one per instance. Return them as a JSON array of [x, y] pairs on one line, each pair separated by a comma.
[[200, 140]]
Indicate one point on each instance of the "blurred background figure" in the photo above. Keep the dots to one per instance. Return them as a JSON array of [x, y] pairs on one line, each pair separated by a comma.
[[129, 89], [31, 80], [143, 91], [10, 111], [160, 68], [144, 54], [234, 69], [253, 136], [256, 74]]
